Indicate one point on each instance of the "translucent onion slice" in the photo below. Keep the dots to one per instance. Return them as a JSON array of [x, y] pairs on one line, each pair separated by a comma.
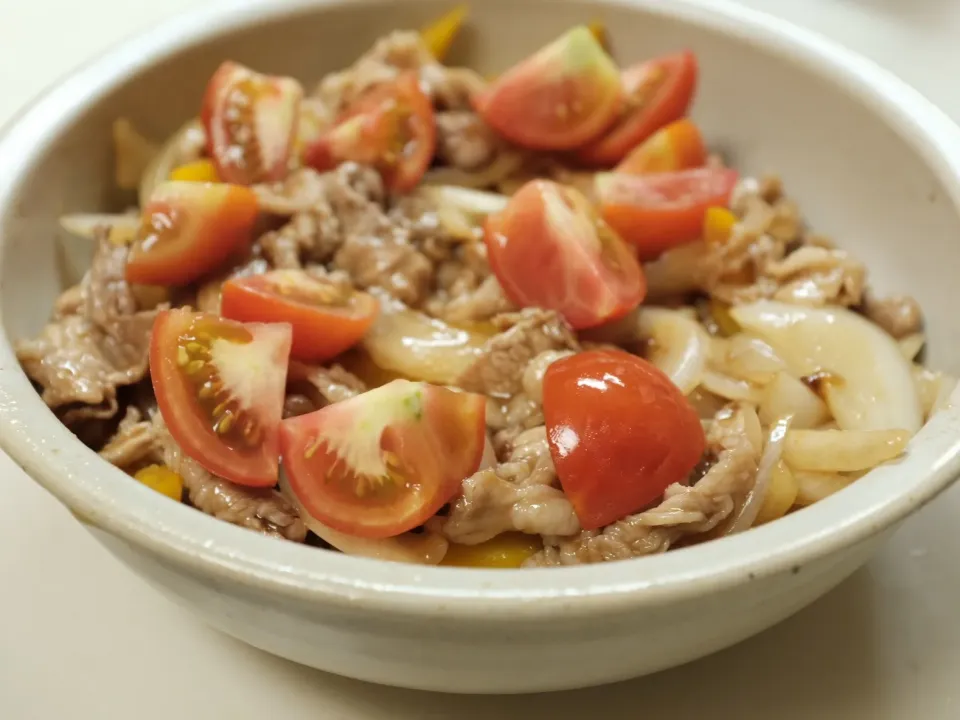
[[476, 203], [786, 396], [934, 389], [746, 358], [678, 345], [877, 390], [765, 469], [419, 347], [186, 145], [730, 388], [84, 225], [815, 486], [133, 153], [842, 450], [912, 344]]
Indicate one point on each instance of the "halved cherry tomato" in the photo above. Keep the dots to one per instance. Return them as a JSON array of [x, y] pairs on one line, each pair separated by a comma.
[[251, 120], [658, 212], [677, 146], [620, 432], [188, 229], [560, 98], [383, 462], [657, 92], [220, 387], [550, 249], [326, 319], [390, 127]]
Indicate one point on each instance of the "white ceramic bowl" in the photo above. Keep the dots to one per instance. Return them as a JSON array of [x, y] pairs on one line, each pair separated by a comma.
[[871, 162]]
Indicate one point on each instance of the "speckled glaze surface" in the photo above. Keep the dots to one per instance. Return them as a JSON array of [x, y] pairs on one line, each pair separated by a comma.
[[870, 161]]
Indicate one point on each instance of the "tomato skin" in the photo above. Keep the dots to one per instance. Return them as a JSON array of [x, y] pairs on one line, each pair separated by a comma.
[[620, 432], [677, 146], [658, 92], [660, 211], [560, 98], [320, 331], [390, 127], [433, 436], [199, 226], [254, 466], [268, 112], [584, 270]]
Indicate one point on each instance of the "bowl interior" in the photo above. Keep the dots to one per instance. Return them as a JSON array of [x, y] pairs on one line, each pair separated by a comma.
[[855, 177]]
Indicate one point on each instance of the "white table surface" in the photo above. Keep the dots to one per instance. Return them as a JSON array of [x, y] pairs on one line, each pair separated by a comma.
[[82, 638]]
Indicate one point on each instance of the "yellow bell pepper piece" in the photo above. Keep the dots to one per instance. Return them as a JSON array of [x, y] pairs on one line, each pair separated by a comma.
[[162, 479], [196, 171], [599, 31], [439, 35], [718, 225], [507, 550], [780, 496]]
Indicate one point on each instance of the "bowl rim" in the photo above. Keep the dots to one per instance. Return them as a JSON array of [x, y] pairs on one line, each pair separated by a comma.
[[102, 496]]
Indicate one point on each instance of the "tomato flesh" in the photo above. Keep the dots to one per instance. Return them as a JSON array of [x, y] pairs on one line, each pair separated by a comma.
[[220, 389], [620, 432], [326, 319], [560, 98], [390, 128], [381, 463], [660, 211], [677, 146], [657, 92], [251, 122], [189, 229], [549, 249]]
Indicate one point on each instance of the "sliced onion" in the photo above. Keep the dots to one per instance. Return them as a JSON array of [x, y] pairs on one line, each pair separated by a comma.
[[815, 486], [842, 450], [477, 203], [730, 388], [84, 225], [746, 358], [768, 461], [678, 345], [786, 396], [419, 347], [186, 145], [425, 548], [934, 389], [505, 164], [677, 272], [912, 344], [133, 154]]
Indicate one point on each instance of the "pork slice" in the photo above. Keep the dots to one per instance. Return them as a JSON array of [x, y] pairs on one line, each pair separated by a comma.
[[899, 315], [135, 442], [464, 141], [311, 387]]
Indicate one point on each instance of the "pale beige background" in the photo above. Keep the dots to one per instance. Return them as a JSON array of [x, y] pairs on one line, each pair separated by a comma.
[[81, 638]]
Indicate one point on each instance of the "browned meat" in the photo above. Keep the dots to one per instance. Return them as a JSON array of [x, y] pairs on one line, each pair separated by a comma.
[[899, 315], [684, 511], [135, 442], [500, 365], [321, 386], [261, 509], [464, 141], [516, 495]]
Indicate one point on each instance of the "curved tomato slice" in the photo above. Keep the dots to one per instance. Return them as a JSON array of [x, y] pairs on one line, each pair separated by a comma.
[[657, 212], [657, 92], [560, 98], [188, 229], [220, 387], [677, 146], [326, 318], [381, 463], [549, 249], [619, 433], [391, 127], [251, 121]]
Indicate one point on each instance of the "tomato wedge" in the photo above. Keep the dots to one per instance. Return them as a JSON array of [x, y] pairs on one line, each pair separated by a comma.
[[251, 121], [660, 211], [326, 318], [620, 432], [390, 127], [220, 387], [677, 146], [657, 92], [550, 249], [560, 98], [188, 229], [381, 463]]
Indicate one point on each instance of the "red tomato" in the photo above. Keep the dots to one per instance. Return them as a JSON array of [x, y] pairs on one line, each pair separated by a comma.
[[383, 462], [677, 146], [188, 229], [220, 387], [326, 319], [562, 97], [658, 92], [251, 121], [549, 249], [619, 432], [658, 212], [391, 127]]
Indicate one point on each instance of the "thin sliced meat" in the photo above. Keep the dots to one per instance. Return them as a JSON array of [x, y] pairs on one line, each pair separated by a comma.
[[136, 442]]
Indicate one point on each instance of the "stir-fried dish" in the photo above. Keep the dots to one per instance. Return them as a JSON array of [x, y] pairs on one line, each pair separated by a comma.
[[423, 315]]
